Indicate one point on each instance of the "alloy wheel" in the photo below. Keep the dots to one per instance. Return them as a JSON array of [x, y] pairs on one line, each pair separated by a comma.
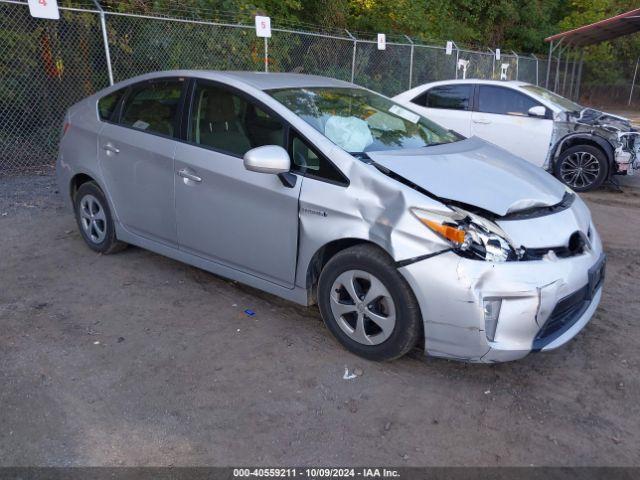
[[93, 219], [579, 169], [363, 307]]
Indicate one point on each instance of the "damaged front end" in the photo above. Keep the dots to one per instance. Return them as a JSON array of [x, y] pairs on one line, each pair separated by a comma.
[[613, 134], [536, 299], [519, 274], [627, 153]]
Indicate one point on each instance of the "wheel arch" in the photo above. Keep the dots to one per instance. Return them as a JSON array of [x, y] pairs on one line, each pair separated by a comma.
[[589, 139], [77, 180], [323, 254]]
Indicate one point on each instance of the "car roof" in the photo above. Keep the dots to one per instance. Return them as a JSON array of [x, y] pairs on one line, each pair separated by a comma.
[[507, 83], [258, 80], [266, 81]]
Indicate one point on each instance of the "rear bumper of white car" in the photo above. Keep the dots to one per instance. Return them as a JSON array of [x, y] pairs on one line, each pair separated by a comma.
[[543, 304]]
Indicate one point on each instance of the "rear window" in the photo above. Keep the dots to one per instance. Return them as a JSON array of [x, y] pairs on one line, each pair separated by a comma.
[[152, 107], [450, 97], [107, 105]]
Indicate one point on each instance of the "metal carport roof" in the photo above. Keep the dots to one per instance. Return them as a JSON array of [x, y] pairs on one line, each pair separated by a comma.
[[608, 29]]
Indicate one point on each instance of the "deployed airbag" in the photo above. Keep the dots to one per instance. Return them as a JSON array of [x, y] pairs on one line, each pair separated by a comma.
[[350, 133]]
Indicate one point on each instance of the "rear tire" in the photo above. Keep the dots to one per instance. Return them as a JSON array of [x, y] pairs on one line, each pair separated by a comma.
[[582, 167], [95, 221], [383, 322]]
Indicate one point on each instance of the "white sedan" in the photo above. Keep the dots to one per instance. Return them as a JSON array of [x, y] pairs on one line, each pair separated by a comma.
[[581, 146]]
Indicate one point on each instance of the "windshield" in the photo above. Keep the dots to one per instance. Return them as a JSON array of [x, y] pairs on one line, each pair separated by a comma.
[[557, 100], [361, 121]]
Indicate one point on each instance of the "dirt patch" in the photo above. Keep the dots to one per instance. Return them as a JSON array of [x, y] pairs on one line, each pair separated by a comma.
[[134, 359]]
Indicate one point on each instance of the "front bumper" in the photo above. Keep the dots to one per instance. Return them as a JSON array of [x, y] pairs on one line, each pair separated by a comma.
[[544, 303]]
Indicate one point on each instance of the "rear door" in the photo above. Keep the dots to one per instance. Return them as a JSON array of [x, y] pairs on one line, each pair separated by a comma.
[[448, 105], [241, 219], [502, 118], [136, 151]]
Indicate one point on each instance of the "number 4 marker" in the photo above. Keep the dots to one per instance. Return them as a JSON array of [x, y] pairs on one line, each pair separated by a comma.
[[44, 9]]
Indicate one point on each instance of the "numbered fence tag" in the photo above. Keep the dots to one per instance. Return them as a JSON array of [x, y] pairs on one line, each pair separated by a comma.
[[44, 9], [263, 26]]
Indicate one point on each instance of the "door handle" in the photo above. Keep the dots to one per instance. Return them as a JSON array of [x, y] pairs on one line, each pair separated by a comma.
[[484, 121], [110, 148], [184, 173]]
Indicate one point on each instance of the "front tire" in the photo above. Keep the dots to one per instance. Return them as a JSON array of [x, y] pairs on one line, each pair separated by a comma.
[[582, 168], [367, 304], [95, 221]]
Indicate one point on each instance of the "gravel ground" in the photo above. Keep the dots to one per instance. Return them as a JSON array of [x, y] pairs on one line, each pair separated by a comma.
[[135, 359]]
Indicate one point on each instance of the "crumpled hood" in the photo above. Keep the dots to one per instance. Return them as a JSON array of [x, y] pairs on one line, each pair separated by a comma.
[[477, 173], [597, 118]]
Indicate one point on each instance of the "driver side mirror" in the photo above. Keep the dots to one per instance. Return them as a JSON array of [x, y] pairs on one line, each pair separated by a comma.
[[538, 111], [271, 159]]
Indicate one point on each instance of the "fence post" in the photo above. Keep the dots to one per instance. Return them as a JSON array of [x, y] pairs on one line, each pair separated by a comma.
[[517, 64], [493, 64], [457, 58], [266, 54], [536, 59], [633, 82], [410, 61], [353, 57], [105, 39]]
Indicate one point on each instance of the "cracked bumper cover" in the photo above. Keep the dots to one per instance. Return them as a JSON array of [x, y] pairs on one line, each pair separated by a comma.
[[450, 290]]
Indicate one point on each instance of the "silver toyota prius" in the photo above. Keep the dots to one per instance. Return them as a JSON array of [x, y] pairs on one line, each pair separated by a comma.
[[319, 191]]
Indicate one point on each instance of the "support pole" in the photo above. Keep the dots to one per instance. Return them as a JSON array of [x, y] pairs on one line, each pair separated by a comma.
[[517, 64], [573, 76], [633, 83], [566, 71], [556, 83], [410, 60], [105, 40], [353, 57], [579, 79], [546, 83]]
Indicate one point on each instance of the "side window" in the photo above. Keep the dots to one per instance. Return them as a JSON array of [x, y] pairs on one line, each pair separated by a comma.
[[152, 106], [230, 123], [108, 104], [451, 97], [505, 101], [306, 160], [421, 99]]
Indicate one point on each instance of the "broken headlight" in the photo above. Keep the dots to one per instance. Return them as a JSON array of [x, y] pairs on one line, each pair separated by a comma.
[[470, 235]]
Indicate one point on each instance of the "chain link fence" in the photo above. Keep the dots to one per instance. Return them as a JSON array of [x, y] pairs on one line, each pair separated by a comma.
[[48, 65], [45, 67], [613, 84]]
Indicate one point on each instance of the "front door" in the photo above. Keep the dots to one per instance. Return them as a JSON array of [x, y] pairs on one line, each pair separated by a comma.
[[136, 159], [244, 220], [503, 119]]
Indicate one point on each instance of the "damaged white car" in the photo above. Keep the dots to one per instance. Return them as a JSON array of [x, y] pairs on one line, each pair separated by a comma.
[[319, 191], [581, 146]]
